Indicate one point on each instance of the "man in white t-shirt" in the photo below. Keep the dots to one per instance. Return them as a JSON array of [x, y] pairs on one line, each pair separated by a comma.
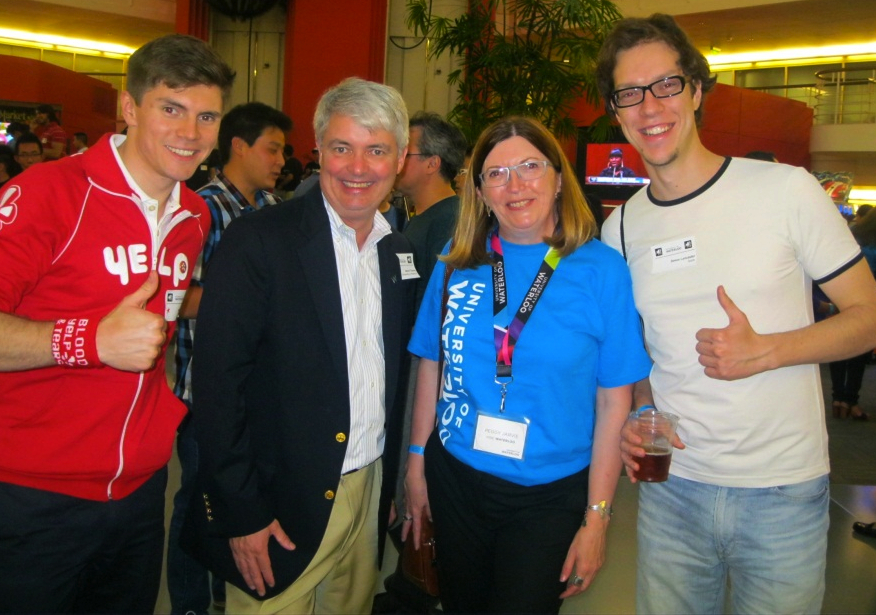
[[723, 253]]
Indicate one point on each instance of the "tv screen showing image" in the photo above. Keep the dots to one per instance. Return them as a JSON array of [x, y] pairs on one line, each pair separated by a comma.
[[611, 170], [614, 164]]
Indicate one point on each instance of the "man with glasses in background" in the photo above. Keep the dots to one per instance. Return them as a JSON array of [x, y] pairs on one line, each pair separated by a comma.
[[435, 157], [747, 496], [28, 150]]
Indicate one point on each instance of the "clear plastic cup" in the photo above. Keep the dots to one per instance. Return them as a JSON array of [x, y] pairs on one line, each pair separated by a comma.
[[657, 430]]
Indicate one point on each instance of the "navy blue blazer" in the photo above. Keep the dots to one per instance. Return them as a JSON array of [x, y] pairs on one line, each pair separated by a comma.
[[271, 407]]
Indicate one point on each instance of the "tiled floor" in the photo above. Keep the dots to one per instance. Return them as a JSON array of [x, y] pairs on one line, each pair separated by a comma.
[[851, 569], [851, 561]]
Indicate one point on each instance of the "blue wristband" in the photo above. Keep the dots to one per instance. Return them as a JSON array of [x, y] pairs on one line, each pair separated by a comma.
[[417, 450], [642, 408]]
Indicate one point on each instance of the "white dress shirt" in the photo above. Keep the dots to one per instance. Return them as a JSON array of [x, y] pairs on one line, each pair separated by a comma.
[[359, 279]]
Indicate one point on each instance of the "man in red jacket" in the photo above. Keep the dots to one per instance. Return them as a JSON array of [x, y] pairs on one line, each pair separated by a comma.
[[96, 254]]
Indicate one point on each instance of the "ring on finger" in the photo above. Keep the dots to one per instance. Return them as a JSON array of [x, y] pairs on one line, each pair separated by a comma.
[[577, 581]]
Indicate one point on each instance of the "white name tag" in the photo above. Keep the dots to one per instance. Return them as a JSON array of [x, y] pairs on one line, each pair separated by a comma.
[[674, 254], [408, 270], [172, 303], [500, 436]]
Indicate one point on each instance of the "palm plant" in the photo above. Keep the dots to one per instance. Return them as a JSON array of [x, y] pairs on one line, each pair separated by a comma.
[[518, 57]]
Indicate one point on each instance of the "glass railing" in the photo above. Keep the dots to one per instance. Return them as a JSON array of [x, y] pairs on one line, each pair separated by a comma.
[[848, 96], [838, 96]]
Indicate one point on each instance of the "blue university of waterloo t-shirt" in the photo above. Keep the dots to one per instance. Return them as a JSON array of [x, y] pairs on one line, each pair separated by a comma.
[[583, 332]]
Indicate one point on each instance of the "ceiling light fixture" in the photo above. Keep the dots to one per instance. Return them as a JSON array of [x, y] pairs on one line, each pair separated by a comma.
[[77, 44], [718, 62], [797, 62], [864, 193]]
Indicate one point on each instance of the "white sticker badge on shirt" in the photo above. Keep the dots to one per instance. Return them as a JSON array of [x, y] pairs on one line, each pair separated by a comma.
[[408, 270], [674, 254], [500, 436], [172, 303]]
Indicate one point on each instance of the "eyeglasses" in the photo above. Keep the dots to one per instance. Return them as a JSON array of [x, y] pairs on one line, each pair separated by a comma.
[[499, 176], [662, 88], [29, 155]]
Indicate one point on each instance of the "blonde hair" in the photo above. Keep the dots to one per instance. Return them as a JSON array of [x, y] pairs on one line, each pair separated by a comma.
[[575, 222]]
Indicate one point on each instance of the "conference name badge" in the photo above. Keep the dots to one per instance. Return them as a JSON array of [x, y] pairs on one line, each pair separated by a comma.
[[408, 270], [673, 254], [500, 435], [172, 303]]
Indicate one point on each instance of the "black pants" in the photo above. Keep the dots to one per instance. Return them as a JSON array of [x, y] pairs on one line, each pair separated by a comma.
[[500, 546], [64, 554], [846, 377]]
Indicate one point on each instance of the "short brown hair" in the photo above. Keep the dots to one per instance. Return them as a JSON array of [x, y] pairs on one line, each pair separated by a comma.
[[178, 61], [657, 28]]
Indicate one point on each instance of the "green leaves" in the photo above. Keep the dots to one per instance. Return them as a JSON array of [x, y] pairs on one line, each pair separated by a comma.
[[519, 57]]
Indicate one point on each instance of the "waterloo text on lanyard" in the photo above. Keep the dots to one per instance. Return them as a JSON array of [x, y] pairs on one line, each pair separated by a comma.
[[506, 338]]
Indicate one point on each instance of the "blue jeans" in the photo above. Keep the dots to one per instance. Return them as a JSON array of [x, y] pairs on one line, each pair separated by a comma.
[[188, 582], [770, 544]]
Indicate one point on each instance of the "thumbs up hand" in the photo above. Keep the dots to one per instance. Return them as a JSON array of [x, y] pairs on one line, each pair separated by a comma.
[[130, 338], [734, 352]]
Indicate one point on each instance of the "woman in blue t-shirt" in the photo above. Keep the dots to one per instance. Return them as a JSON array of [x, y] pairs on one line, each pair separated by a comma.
[[541, 343]]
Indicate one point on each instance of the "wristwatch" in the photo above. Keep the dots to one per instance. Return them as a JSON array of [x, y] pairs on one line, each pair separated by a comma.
[[603, 509]]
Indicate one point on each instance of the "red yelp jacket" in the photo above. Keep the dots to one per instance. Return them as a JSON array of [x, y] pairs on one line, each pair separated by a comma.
[[74, 241]]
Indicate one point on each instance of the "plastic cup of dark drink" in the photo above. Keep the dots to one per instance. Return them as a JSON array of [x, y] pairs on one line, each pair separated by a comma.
[[657, 430]]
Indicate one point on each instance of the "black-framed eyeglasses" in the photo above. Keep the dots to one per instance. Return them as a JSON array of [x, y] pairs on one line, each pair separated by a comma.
[[499, 176], [662, 88]]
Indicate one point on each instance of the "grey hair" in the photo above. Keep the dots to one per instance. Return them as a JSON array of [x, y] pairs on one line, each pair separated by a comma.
[[373, 106], [438, 137]]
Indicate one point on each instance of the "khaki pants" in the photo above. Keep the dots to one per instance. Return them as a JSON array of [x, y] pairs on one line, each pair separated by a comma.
[[343, 574]]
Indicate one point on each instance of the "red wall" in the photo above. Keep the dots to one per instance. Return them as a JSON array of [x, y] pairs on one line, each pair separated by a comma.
[[87, 105], [326, 42], [737, 121], [193, 17]]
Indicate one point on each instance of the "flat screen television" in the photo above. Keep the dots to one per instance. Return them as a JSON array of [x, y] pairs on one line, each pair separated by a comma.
[[611, 170]]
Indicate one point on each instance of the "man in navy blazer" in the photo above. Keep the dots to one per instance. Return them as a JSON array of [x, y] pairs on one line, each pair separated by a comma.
[[299, 370]]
